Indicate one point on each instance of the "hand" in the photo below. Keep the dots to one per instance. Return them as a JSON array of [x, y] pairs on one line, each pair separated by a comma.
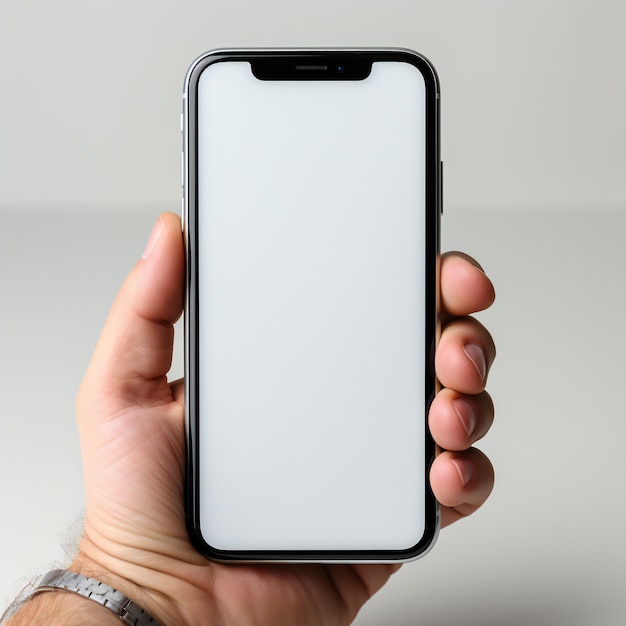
[[132, 437]]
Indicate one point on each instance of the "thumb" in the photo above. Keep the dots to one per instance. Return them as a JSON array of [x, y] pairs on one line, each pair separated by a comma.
[[134, 352]]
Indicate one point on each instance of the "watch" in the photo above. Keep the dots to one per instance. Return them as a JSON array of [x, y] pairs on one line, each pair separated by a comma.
[[93, 589]]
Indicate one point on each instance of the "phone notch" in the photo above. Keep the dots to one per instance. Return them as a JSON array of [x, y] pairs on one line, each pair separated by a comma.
[[311, 68]]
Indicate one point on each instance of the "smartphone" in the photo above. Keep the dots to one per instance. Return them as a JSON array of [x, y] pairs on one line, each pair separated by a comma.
[[311, 220]]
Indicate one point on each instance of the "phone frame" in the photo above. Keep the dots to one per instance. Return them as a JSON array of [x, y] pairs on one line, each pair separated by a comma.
[[289, 58]]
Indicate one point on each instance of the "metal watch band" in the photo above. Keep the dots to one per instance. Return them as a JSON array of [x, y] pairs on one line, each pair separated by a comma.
[[93, 589]]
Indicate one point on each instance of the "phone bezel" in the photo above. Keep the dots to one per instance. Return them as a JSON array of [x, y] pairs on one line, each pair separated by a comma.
[[290, 58]]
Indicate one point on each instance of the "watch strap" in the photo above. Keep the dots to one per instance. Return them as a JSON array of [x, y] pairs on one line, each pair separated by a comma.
[[93, 589]]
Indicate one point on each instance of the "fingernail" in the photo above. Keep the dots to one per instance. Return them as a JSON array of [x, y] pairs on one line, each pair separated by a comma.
[[476, 355], [465, 470], [154, 237], [466, 414]]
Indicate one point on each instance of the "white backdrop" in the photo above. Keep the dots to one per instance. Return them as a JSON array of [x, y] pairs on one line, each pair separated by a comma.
[[532, 92], [533, 136]]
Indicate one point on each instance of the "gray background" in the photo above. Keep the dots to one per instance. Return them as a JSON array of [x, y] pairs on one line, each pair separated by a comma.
[[533, 144]]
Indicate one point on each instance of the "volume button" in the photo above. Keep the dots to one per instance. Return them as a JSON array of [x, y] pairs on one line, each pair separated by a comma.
[[182, 169], [440, 190]]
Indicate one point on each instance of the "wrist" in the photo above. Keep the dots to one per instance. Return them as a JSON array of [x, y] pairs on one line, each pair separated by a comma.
[[124, 591], [61, 608], [163, 587]]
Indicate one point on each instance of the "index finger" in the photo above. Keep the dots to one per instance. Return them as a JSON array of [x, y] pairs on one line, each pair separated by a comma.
[[465, 287]]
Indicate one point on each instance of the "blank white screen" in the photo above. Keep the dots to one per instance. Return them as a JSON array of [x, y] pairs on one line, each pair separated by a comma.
[[311, 310]]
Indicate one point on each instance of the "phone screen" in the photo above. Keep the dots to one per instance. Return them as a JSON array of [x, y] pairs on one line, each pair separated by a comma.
[[311, 308]]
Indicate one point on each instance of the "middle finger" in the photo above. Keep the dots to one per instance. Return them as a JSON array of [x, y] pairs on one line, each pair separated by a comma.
[[464, 355]]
